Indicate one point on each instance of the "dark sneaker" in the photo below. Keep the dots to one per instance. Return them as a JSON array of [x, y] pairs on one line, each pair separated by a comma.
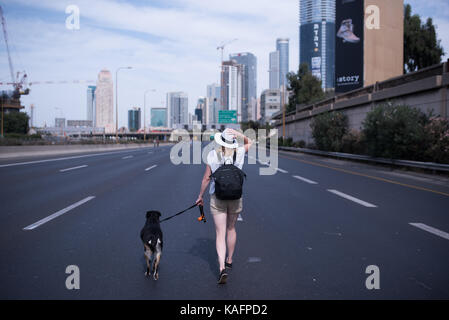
[[228, 265], [223, 277]]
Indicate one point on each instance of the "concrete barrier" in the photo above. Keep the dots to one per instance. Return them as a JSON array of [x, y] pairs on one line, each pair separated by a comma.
[[10, 152]]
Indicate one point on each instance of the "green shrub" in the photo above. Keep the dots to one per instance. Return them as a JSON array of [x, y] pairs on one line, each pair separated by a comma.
[[353, 142], [300, 144], [328, 130], [395, 132], [16, 122], [437, 135]]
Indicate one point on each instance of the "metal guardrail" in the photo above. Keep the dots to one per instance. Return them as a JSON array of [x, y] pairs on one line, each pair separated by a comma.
[[404, 163]]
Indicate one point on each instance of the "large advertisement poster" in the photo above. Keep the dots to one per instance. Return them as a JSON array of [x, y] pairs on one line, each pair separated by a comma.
[[311, 47], [349, 45]]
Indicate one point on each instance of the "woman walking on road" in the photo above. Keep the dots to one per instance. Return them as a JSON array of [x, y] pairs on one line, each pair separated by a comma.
[[224, 212]]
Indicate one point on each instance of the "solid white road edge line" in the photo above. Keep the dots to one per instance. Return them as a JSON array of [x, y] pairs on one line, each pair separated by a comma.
[[432, 230], [57, 214], [74, 168], [65, 158], [351, 198]]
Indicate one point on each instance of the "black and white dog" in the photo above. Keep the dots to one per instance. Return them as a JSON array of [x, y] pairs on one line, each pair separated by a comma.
[[151, 236]]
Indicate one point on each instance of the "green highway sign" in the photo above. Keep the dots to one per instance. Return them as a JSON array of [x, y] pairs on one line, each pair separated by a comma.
[[227, 116]]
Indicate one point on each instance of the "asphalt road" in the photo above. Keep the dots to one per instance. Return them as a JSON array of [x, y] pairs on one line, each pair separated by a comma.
[[307, 232]]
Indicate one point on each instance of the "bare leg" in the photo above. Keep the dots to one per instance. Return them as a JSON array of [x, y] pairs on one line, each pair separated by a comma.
[[220, 229], [231, 237]]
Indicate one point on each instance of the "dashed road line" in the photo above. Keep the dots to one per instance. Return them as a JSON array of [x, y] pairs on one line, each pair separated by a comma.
[[367, 176], [281, 170], [152, 167], [351, 198], [305, 180], [127, 157], [432, 230], [74, 168], [57, 214]]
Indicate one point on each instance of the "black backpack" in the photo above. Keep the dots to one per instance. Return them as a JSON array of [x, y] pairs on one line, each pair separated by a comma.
[[228, 181]]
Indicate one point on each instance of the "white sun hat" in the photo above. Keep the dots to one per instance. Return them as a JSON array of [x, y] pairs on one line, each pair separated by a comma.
[[226, 139]]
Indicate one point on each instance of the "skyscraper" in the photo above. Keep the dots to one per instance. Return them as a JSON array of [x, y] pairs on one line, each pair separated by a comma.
[[104, 102], [202, 105], [91, 103], [274, 70], [249, 94], [177, 109], [134, 119], [282, 46], [232, 87], [213, 102], [317, 39]]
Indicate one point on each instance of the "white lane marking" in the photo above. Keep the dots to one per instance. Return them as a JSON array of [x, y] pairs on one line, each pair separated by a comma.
[[74, 168], [305, 180], [65, 158], [57, 214], [127, 157], [281, 170], [430, 229], [264, 163], [254, 259], [351, 198], [152, 167], [240, 218]]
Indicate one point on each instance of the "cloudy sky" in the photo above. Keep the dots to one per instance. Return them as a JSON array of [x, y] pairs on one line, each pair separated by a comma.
[[171, 45]]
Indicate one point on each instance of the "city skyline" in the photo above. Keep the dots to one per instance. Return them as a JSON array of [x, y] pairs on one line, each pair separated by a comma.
[[182, 57]]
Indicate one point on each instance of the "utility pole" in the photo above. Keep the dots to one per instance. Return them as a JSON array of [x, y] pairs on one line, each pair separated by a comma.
[[3, 114], [283, 111]]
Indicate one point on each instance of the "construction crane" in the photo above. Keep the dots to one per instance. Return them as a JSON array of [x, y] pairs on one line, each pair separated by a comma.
[[223, 45], [19, 81]]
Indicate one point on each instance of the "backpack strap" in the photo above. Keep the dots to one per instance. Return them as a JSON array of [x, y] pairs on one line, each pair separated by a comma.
[[234, 157]]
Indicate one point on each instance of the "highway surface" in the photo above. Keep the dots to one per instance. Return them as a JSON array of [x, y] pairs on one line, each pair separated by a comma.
[[307, 232]]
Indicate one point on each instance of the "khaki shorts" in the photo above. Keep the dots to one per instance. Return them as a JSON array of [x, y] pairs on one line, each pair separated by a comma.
[[218, 206]]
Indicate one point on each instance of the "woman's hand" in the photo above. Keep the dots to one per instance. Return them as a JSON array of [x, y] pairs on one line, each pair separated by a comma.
[[199, 201]]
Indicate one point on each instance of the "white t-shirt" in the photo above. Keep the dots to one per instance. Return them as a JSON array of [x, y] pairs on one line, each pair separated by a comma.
[[214, 163]]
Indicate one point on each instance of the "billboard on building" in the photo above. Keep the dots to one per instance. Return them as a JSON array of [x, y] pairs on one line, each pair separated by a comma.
[[311, 41], [349, 45]]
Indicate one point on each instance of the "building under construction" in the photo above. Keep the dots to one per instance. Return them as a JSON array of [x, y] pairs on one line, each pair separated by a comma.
[[10, 99]]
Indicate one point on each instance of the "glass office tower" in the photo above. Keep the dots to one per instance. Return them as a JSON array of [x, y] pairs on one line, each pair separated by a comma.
[[282, 48]]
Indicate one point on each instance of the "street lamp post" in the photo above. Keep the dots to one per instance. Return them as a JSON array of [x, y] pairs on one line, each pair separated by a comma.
[[116, 101], [144, 109]]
